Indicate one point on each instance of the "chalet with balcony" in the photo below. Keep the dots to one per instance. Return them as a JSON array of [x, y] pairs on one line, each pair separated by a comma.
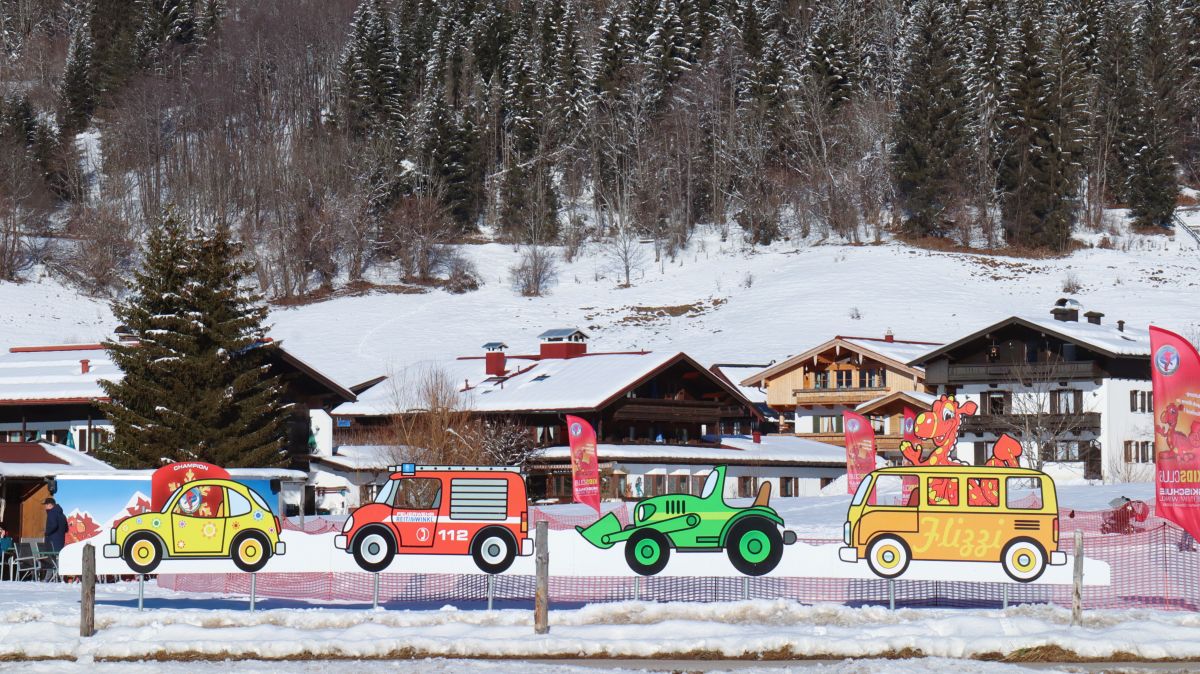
[[811, 390], [887, 419], [660, 417], [1076, 393]]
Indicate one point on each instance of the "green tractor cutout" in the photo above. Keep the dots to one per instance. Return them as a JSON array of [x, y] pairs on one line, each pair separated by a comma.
[[753, 537]]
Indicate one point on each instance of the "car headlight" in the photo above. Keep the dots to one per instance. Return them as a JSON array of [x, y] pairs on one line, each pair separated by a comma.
[[349, 525], [846, 530], [644, 512]]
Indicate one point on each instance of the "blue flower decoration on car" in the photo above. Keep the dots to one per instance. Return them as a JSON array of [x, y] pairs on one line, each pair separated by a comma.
[[138, 520], [258, 514]]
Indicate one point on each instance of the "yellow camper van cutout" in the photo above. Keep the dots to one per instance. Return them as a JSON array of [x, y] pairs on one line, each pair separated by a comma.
[[954, 513]]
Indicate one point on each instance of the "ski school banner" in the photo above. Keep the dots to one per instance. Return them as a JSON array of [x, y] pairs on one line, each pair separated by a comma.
[[585, 466], [910, 425], [1175, 375], [860, 448]]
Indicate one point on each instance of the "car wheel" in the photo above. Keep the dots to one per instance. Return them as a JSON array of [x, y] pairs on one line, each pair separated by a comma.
[[1023, 560], [494, 550], [143, 552], [374, 549], [888, 556], [251, 552], [754, 546], [647, 552]]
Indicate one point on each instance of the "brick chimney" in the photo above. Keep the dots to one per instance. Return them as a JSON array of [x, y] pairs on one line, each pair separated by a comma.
[[563, 343], [889, 336], [1066, 310], [1093, 317], [85, 366], [494, 360]]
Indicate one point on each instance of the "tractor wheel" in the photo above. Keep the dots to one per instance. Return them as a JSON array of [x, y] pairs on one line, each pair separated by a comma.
[[251, 552], [374, 548], [494, 550], [1023, 560], [647, 552], [888, 556], [143, 552], [754, 546]]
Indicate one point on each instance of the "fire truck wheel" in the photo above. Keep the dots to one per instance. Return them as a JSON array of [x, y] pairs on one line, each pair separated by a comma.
[[374, 549], [647, 552], [143, 552], [251, 552], [494, 550], [754, 546]]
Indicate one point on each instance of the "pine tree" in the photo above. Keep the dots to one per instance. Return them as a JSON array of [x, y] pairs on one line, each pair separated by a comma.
[[77, 96], [1152, 184], [831, 60], [1119, 101], [196, 384], [370, 89], [930, 152]]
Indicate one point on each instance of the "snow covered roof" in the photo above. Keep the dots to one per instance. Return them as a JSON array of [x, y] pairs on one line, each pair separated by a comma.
[[58, 374], [1106, 339], [919, 398], [55, 373], [585, 382], [739, 449], [894, 352], [563, 334], [363, 457], [46, 459], [735, 373]]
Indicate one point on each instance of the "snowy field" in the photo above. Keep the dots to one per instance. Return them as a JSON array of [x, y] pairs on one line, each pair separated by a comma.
[[718, 301]]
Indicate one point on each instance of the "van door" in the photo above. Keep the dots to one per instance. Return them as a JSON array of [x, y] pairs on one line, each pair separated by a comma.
[[415, 507], [982, 532], [891, 507]]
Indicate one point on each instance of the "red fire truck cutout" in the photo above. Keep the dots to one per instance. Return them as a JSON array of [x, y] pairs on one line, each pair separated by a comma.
[[480, 511]]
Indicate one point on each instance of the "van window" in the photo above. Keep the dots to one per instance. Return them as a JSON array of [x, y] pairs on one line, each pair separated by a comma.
[[418, 493], [1024, 493], [895, 490], [943, 491], [983, 491]]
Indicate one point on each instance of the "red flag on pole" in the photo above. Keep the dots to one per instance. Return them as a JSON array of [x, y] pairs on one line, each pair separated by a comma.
[[910, 425], [1175, 376], [860, 448], [585, 466]]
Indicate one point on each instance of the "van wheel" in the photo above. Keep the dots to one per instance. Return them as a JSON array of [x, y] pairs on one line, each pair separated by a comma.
[[888, 556], [494, 550], [647, 552], [143, 553], [1023, 560], [251, 552], [374, 549], [754, 546]]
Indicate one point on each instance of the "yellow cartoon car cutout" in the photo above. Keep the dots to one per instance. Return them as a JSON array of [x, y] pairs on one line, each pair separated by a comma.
[[954, 513], [205, 519]]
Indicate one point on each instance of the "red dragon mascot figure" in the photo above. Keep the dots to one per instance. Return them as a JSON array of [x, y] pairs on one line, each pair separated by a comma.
[[937, 436]]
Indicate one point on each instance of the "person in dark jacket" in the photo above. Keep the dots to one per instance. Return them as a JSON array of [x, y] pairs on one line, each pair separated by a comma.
[[56, 525]]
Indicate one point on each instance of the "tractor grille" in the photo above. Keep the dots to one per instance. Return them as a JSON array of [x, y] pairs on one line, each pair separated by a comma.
[[478, 499], [675, 506]]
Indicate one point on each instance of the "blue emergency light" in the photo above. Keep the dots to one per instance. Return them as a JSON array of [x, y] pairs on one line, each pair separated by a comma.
[[408, 468]]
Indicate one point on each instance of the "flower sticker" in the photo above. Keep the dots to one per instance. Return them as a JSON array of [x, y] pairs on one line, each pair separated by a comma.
[[258, 515], [179, 545], [209, 530], [156, 523]]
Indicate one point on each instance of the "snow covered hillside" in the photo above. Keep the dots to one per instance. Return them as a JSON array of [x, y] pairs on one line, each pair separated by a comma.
[[717, 301]]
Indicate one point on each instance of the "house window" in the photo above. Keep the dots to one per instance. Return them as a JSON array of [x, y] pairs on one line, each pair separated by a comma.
[[845, 378], [747, 487], [656, 485], [826, 481], [821, 379], [698, 484], [1063, 452], [787, 486], [1139, 451], [827, 424], [872, 378], [1066, 401], [1141, 401], [983, 451], [678, 484], [995, 402], [878, 424]]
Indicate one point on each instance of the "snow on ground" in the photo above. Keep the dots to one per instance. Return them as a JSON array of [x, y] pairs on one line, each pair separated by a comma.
[[41, 621]]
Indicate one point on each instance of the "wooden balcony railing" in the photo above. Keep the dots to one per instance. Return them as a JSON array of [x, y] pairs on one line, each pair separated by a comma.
[[995, 372], [1083, 422], [836, 396]]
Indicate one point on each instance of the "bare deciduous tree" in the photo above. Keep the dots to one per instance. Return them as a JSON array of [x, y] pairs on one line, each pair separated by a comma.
[[1043, 413], [535, 273]]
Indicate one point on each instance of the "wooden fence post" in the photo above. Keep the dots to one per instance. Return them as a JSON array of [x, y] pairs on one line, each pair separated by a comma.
[[1077, 581], [541, 599], [87, 593]]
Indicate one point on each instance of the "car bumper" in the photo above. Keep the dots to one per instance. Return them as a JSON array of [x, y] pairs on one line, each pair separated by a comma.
[[1058, 558], [527, 547], [280, 548], [339, 541], [112, 551], [848, 554]]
